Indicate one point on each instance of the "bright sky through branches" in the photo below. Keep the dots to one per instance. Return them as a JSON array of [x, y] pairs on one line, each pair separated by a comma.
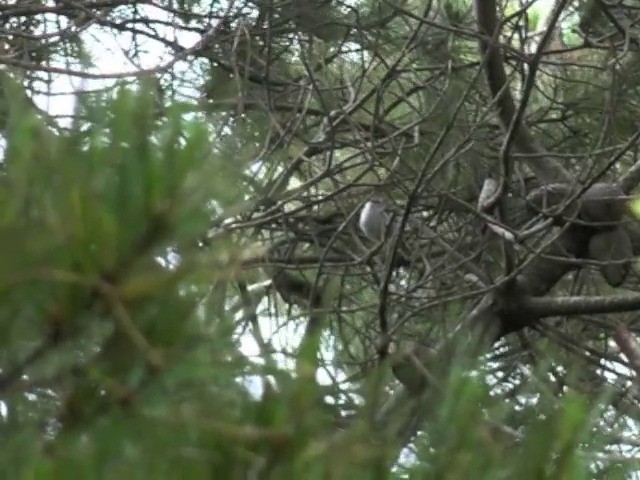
[[109, 57]]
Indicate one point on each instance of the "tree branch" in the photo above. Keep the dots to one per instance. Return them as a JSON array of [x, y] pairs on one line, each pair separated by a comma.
[[579, 305], [629, 181], [544, 167], [628, 345]]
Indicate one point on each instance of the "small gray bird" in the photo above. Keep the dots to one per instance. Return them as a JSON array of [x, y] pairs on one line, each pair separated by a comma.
[[374, 219], [488, 195]]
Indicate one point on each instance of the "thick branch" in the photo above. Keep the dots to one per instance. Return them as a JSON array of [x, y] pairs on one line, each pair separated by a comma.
[[545, 270], [579, 305], [628, 345], [545, 168]]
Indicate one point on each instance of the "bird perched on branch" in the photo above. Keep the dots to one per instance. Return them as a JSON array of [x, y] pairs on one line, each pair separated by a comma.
[[379, 223], [487, 200], [375, 219]]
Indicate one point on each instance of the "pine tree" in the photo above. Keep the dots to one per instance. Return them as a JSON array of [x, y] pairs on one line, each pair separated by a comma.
[[185, 287]]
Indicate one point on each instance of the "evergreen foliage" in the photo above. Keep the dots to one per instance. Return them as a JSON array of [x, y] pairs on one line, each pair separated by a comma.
[[184, 291]]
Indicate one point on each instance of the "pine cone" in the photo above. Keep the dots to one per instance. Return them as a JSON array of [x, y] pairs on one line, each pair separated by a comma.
[[612, 245]]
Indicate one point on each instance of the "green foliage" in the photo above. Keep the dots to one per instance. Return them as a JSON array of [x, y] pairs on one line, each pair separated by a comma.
[[141, 331], [134, 378], [88, 219], [464, 440]]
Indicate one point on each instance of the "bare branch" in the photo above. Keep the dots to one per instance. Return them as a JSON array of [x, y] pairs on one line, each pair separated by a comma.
[[580, 305], [545, 168], [628, 345]]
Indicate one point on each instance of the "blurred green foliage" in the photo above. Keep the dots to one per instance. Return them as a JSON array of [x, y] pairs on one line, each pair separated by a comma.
[[113, 366]]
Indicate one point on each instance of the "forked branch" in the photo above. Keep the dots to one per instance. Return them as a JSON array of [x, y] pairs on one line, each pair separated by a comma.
[[544, 167]]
